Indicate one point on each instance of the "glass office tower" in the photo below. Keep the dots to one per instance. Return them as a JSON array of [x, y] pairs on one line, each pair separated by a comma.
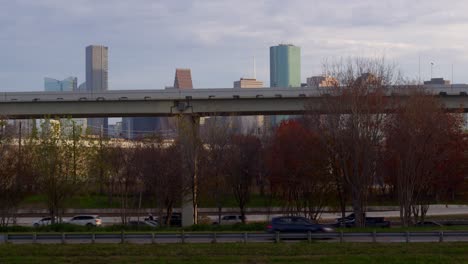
[[285, 66], [67, 85], [285, 71]]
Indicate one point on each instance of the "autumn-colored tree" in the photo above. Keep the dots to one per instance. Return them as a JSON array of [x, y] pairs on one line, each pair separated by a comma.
[[299, 170], [453, 171], [421, 139]]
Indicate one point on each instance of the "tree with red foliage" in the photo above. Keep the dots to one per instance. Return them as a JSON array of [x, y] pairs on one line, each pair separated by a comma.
[[299, 170], [452, 171]]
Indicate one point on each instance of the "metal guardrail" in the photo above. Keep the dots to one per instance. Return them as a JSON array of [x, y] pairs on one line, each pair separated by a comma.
[[182, 237]]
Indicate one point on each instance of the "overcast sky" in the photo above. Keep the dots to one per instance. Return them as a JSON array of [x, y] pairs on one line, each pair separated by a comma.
[[217, 39]]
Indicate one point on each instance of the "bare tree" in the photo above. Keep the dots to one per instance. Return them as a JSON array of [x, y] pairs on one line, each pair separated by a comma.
[[162, 175], [216, 136], [352, 123], [125, 171], [12, 189], [59, 162], [243, 168], [418, 145]]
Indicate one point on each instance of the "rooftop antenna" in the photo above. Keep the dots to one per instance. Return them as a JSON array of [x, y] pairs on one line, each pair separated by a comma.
[[452, 76], [432, 65], [254, 69], [419, 70]]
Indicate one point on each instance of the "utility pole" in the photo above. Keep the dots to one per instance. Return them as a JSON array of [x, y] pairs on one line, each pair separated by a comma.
[[19, 152], [101, 160], [74, 151]]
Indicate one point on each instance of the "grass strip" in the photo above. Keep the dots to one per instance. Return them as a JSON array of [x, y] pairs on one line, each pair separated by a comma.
[[237, 253]]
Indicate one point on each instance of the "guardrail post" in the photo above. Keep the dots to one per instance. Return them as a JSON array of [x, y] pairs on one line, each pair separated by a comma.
[[93, 238], [374, 236], [277, 237], [245, 237], [6, 238], [341, 236], [182, 237], [214, 238], [63, 238], [309, 237], [34, 237], [441, 236], [122, 237], [407, 236], [153, 238]]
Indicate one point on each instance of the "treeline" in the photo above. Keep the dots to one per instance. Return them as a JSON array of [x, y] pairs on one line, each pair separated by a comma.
[[359, 145]]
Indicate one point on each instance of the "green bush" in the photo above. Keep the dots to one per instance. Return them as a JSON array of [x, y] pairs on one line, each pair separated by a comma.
[[15, 229]]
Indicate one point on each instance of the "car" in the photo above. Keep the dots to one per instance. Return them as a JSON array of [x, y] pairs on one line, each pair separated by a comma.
[[176, 219], [44, 221], [429, 223], [350, 221], [145, 223], [229, 220], [295, 224], [86, 220]]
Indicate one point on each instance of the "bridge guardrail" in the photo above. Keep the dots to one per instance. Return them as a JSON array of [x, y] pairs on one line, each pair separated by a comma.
[[155, 237]]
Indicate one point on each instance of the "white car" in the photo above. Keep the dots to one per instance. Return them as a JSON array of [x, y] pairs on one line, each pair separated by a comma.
[[229, 220], [86, 220], [43, 221]]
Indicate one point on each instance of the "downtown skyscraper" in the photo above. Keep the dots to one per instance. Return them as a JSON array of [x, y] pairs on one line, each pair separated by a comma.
[[285, 71], [97, 81], [285, 66]]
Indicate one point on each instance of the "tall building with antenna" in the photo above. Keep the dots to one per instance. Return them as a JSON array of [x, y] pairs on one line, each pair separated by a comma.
[[248, 124]]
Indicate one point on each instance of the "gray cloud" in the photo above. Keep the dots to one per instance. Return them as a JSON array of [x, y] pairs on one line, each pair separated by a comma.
[[148, 39]]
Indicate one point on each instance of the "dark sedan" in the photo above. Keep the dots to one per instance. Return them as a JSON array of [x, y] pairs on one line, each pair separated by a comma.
[[292, 224]]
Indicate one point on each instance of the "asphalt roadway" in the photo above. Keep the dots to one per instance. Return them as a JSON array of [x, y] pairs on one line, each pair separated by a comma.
[[434, 210]]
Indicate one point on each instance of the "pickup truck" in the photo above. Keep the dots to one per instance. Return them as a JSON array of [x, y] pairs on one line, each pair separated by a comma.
[[350, 221]]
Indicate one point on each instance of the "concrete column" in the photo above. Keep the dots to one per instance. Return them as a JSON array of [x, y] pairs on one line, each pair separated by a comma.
[[187, 210], [190, 140]]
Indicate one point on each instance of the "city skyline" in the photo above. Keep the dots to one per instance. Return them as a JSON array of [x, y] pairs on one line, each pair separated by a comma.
[[150, 39]]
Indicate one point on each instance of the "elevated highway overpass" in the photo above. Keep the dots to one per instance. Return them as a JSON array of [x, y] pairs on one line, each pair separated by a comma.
[[197, 102], [191, 104]]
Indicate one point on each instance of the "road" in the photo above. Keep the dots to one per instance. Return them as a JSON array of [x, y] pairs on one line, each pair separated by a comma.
[[434, 210]]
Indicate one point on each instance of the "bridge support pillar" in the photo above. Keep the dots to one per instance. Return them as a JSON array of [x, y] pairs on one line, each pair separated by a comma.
[[190, 145]]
